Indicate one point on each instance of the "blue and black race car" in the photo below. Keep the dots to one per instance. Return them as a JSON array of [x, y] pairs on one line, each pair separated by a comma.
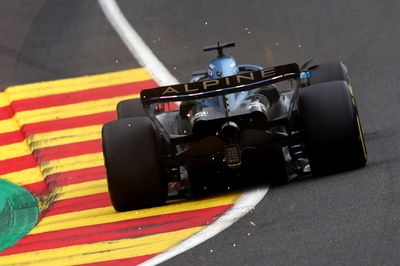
[[232, 122]]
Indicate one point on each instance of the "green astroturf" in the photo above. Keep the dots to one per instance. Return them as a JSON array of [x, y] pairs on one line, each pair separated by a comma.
[[19, 212]]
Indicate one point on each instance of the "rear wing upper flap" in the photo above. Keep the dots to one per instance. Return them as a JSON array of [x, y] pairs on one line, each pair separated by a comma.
[[213, 87]]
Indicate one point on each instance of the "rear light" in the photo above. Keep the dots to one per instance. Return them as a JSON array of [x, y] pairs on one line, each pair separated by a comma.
[[233, 155]]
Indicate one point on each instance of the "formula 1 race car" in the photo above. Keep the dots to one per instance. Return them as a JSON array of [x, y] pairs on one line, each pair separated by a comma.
[[232, 122]]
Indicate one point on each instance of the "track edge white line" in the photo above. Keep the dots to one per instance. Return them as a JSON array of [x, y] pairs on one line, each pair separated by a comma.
[[246, 202], [135, 43]]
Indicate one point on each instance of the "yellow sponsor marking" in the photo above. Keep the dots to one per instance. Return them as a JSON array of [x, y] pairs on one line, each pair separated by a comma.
[[361, 137], [101, 251], [70, 110], [76, 84], [350, 87], [14, 150], [66, 136], [109, 215], [24, 177], [72, 163]]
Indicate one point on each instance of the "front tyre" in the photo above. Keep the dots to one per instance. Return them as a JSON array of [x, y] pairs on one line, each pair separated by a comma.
[[134, 172], [331, 127]]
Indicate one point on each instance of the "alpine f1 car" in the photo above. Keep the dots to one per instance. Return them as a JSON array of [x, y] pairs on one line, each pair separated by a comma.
[[232, 122]]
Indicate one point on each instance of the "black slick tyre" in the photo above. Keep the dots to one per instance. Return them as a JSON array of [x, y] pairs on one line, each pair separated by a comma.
[[130, 108], [331, 127], [326, 72], [134, 172]]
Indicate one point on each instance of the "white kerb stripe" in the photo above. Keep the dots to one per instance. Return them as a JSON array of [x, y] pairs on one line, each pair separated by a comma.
[[135, 44], [246, 202]]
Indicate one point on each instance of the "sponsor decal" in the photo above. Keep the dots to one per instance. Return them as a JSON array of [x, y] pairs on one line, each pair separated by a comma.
[[236, 82], [211, 84]]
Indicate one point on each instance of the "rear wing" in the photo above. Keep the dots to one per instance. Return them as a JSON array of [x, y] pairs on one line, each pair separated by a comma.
[[215, 87]]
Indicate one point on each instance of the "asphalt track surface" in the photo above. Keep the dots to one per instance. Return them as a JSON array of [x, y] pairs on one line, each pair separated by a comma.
[[349, 218], [47, 40]]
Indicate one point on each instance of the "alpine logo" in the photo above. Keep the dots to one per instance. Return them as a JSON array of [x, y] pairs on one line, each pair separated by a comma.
[[213, 84]]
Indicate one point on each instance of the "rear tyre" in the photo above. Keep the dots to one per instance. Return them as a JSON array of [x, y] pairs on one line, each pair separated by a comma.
[[332, 129], [130, 108], [131, 155], [327, 72]]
